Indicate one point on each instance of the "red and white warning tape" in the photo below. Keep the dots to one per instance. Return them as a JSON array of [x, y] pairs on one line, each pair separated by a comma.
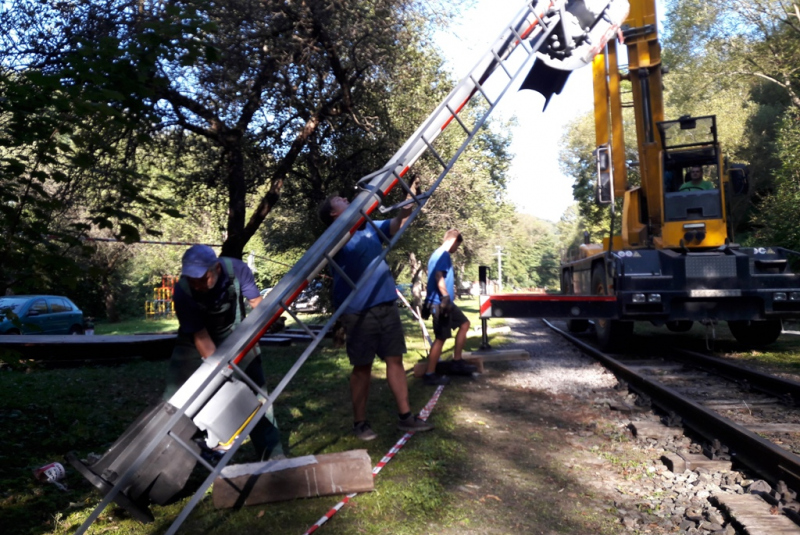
[[423, 414]]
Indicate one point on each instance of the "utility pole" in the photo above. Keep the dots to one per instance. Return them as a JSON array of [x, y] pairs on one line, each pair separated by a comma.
[[500, 256]]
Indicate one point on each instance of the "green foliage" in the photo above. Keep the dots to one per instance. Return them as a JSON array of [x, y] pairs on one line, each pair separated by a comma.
[[777, 220], [191, 122], [738, 62]]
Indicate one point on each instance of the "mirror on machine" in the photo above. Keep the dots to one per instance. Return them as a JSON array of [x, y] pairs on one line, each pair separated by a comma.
[[602, 155], [739, 178]]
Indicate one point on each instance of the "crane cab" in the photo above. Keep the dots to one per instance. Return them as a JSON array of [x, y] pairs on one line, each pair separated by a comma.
[[693, 200]]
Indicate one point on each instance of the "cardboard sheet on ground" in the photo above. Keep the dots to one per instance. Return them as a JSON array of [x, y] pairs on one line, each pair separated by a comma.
[[301, 477]]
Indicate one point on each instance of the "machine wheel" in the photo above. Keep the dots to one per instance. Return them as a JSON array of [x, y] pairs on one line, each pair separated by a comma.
[[679, 326], [577, 326], [573, 326], [76, 329], [756, 333], [13, 331], [611, 334]]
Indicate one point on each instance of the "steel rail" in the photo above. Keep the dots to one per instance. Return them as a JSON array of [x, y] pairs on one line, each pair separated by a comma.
[[772, 462], [785, 389]]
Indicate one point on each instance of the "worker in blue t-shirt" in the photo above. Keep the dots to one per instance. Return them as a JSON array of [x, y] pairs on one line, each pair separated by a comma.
[[371, 319], [209, 302], [446, 314]]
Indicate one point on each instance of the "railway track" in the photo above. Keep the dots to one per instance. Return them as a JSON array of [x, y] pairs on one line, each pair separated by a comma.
[[743, 417]]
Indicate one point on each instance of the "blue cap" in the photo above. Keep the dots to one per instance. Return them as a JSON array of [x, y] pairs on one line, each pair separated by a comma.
[[197, 260]]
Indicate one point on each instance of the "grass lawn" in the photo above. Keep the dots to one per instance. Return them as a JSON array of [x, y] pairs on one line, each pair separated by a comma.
[[46, 413], [137, 326]]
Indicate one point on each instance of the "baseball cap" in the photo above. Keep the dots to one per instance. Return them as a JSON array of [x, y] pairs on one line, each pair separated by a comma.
[[197, 260]]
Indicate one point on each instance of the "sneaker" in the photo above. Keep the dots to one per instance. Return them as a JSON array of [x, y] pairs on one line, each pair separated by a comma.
[[363, 431], [434, 379], [413, 424]]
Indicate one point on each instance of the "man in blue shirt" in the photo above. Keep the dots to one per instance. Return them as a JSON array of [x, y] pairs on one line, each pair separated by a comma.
[[371, 319], [446, 314], [209, 302]]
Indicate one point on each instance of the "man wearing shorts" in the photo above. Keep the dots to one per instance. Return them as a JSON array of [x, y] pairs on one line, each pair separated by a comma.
[[371, 319], [446, 314]]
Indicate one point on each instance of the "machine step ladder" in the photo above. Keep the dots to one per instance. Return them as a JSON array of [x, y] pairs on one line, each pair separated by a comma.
[[509, 56]]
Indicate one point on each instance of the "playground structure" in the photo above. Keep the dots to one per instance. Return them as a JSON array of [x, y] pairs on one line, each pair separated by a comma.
[[162, 305]]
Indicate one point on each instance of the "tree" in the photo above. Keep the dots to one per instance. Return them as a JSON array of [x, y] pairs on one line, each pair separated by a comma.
[[243, 89], [290, 80], [739, 62]]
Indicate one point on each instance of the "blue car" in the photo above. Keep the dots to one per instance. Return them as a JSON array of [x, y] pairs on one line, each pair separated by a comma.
[[39, 314]]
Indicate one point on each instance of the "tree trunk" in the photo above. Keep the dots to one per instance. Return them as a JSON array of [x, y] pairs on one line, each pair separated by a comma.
[[237, 239], [417, 285], [110, 300]]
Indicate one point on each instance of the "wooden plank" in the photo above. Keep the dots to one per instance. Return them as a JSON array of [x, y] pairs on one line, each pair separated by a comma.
[[274, 341], [497, 355], [301, 477], [648, 362], [737, 405], [696, 460], [292, 336], [682, 377], [734, 401], [56, 348], [657, 430], [674, 463], [443, 368], [755, 515], [652, 366], [774, 428], [72, 339]]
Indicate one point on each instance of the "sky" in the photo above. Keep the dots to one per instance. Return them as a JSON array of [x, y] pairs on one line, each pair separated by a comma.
[[536, 184]]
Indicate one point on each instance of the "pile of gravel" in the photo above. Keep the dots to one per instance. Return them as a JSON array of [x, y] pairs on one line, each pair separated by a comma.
[[650, 498], [555, 365]]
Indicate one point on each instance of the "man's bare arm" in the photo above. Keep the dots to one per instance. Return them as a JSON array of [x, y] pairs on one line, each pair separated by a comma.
[[204, 344], [400, 219]]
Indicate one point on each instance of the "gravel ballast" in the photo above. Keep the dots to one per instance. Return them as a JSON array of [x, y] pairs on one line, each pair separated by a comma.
[[631, 480]]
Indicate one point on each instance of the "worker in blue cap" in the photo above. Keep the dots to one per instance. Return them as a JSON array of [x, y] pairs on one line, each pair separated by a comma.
[[210, 303]]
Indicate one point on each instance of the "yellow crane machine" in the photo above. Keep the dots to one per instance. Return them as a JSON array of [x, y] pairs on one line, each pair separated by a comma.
[[671, 258]]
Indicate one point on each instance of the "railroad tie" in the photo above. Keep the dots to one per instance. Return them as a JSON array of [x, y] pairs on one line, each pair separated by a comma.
[[756, 516]]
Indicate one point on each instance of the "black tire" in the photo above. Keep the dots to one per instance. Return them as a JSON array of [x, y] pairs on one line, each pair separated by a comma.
[[611, 334], [680, 326], [13, 331], [573, 326], [577, 326], [76, 329], [754, 333]]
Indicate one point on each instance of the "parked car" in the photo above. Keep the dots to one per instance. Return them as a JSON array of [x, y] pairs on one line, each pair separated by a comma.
[[265, 292], [310, 300], [39, 314]]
